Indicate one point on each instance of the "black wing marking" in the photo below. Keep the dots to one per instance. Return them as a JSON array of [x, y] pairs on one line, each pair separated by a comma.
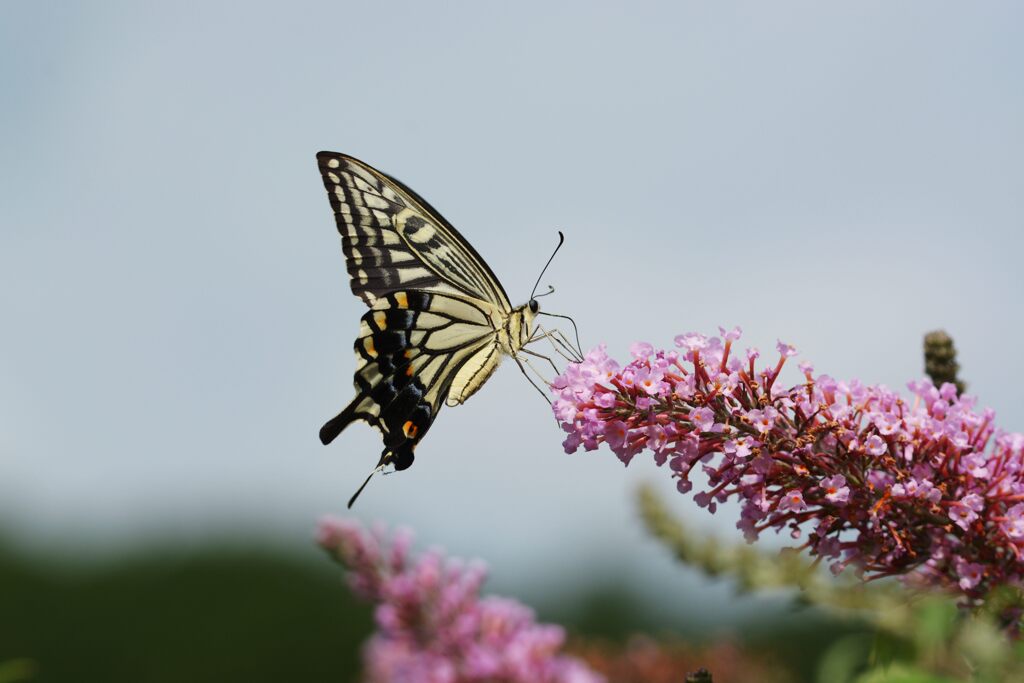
[[394, 241], [410, 349]]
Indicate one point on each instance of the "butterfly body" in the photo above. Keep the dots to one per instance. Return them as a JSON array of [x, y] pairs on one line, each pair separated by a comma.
[[438, 323]]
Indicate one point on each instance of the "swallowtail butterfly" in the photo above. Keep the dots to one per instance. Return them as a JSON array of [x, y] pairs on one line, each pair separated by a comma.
[[438, 323]]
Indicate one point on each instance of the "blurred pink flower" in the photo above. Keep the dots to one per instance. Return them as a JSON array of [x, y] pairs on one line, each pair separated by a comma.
[[432, 624]]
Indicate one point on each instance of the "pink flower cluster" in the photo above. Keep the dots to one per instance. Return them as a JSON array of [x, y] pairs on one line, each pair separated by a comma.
[[925, 487], [432, 625]]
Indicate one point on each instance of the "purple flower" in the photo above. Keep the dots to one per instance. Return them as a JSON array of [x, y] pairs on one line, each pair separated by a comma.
[[970, 573], [740, 448], [641, 350], [1013, 524], [975, 464], [785, 350], [875, 445], [692, 341], [836, 490], [881, 470], [650, 382], [731, 335], [792, 501], [761, 420], [963, 514], [702, 418], [616, 433], [886, 423], [657, 438], [645, 402], [974, 502]]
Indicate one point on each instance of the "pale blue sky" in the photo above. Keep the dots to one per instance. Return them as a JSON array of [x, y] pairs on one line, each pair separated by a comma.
[[177, 322]]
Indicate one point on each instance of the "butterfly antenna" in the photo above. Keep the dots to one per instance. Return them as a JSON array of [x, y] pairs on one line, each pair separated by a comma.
[[551, 290], [355, 495], [561, 238]]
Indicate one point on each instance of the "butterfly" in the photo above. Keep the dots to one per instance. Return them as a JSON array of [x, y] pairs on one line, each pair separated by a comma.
[[439, 321]]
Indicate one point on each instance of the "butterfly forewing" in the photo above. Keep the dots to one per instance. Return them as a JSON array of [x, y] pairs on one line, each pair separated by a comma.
[[393, 240], [429, 338]]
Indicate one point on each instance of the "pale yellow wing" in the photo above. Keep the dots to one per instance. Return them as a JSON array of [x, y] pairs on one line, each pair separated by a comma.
[[430, 337]]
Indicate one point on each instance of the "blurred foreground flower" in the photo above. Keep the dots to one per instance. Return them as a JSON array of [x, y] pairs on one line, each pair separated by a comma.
[[644, 660], [927, 488], [432, 624]]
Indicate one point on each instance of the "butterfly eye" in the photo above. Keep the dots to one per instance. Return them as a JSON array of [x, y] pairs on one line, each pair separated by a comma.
[[534, 306]]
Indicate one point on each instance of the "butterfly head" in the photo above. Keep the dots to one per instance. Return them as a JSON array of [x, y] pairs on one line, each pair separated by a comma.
[[523, 319]]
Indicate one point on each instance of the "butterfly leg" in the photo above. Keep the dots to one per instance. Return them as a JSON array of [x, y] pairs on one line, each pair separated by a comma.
[[558, 337], [543, 357], [575, 351], [578, 349], [522, 369], [541, 333], [558, 343]]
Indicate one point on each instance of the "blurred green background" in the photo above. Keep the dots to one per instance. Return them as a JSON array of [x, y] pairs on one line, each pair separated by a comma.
[[221, 612]]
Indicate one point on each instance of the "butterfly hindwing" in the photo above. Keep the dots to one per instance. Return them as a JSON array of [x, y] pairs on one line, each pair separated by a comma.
[[411, 349]]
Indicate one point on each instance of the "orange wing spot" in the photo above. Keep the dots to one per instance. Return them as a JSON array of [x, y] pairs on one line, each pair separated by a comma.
[[368, 345], [409, 429], [408, 371], [408, 353], [380, 319], [402, 299]]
